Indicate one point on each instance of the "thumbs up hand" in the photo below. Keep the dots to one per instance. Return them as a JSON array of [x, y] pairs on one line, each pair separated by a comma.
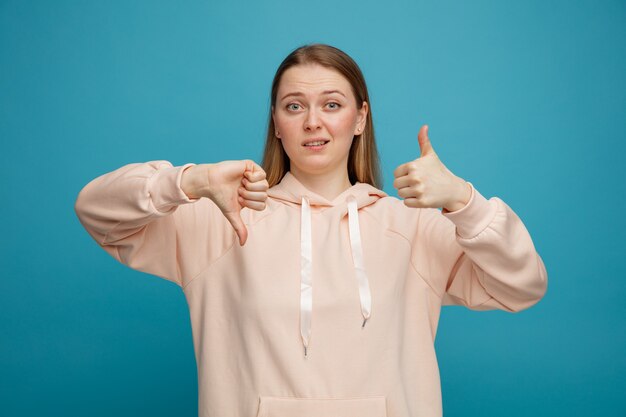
[[231, 185], [426, 182]]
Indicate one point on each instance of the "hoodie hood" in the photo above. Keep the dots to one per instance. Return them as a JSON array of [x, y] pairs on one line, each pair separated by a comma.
[[291, 191]]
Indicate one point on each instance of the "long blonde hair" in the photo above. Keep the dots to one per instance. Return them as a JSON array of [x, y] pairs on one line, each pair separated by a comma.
[[363, 161]]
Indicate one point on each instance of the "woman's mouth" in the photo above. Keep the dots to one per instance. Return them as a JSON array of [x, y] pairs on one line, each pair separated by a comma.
[[315, 144]]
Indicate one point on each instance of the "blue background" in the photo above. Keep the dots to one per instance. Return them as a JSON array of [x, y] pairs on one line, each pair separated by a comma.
[[526, 100]]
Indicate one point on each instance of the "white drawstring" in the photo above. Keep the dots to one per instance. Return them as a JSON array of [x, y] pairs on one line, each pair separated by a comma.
[[358, 259], [306, 268], [306, 276]]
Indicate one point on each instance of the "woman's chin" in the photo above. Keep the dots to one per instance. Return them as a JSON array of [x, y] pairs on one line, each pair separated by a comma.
[[317, 166]]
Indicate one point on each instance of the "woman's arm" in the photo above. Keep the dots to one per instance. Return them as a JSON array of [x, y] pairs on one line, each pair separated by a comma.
[[141, 215], [475, 252], [480, 256]]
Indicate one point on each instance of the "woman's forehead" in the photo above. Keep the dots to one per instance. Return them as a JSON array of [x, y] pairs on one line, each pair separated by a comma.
[[312, 79]]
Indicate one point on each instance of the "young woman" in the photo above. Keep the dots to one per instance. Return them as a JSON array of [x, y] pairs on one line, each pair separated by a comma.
[[311, 292]]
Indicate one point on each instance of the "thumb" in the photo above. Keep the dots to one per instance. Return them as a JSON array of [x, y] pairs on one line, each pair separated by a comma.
[[234, 218], [426, 147]]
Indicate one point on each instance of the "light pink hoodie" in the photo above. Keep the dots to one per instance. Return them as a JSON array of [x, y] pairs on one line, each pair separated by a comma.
[[359, 281]]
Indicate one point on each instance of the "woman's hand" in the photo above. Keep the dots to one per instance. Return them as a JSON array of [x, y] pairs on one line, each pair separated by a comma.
[[426, 182], [231, 185]]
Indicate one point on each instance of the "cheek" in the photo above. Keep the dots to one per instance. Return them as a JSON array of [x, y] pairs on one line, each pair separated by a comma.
[[343, 125], [287, 124], [288, 131]]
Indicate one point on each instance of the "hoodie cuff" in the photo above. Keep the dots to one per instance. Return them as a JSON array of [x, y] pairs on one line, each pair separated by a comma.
[[474, 217], [164, 188]]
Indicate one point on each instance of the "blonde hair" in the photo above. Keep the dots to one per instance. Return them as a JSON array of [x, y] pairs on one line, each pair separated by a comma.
[[363, 161]]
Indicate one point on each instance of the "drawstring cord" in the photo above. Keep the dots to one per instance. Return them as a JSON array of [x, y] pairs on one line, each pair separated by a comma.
[[306, 267], [306, 275], [358, 259]]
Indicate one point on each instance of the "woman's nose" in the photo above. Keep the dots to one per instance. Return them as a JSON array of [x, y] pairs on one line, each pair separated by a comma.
[[312, 120]]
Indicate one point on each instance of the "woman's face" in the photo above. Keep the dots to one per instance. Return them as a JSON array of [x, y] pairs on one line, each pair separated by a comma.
[[316, 118]]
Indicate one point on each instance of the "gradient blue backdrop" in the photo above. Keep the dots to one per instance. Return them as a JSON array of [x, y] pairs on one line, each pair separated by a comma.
[[525, 99]]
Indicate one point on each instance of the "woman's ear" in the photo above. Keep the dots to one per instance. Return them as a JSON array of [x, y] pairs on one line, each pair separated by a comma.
[[276, 132], [361, 119]]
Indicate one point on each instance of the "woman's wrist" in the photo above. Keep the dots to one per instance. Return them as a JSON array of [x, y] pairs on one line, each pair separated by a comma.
[[194, 181], [461, 198]]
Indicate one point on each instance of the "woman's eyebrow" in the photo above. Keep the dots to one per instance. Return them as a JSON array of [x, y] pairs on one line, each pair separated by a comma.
[[299, 94]]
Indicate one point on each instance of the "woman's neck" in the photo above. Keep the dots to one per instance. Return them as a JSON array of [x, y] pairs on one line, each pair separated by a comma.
[[328, 185]]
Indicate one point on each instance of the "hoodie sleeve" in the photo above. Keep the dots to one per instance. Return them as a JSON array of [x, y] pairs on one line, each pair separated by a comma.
[[480, 256], [140, 216]]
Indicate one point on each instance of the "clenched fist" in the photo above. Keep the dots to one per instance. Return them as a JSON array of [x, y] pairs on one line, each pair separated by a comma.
[[426, 182], [231, 185]]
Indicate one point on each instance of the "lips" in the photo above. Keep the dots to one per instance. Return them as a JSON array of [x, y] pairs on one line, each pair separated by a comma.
[[315, 142]]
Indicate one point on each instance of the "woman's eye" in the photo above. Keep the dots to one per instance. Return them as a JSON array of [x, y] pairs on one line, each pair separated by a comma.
[[333, 105], [293, 106]]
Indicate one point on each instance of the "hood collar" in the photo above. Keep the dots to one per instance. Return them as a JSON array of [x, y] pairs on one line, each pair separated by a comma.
[[291, 190]]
